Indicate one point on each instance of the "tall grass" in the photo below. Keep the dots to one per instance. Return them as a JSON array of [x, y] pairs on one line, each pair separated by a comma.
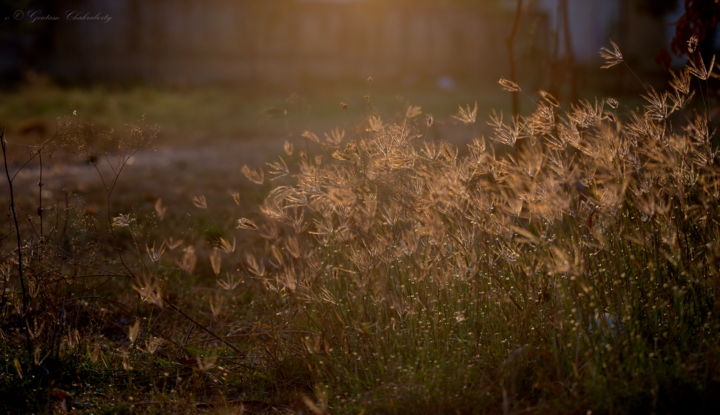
[[565, 263]]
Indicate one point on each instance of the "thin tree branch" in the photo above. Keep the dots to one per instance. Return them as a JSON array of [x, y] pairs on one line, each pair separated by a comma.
[[511, 55], [569, 51]]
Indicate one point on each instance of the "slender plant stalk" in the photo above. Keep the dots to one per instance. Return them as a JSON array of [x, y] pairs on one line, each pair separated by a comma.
[[40, 199], [205, 329], [18, 238]]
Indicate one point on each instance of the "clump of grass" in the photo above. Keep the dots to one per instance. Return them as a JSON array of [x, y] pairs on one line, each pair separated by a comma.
[[566, 262]]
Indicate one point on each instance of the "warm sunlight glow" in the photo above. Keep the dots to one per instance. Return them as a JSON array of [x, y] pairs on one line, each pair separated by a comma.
[[360, 207]]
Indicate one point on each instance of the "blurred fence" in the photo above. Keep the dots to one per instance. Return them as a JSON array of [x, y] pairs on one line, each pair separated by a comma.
[[231, 40]]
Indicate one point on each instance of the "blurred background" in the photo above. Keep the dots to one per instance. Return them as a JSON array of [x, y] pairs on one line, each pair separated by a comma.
[[223, 74], [296, 42]]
